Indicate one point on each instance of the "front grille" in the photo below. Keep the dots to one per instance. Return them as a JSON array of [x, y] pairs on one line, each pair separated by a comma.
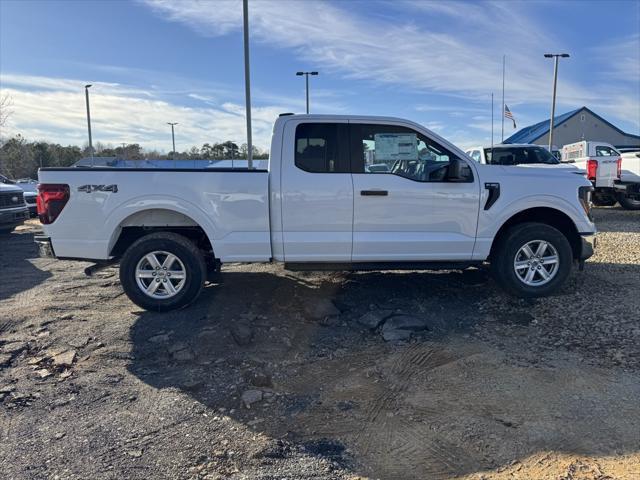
[[11, 199]]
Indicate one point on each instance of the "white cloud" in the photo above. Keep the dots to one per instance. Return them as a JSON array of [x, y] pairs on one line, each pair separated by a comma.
[[460, 54], [54, 110]]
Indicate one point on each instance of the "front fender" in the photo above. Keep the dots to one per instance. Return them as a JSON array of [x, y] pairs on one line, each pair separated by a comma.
[[490, 221]]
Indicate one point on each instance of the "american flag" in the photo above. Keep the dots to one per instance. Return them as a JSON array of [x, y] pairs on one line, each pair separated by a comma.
[[508, 114]]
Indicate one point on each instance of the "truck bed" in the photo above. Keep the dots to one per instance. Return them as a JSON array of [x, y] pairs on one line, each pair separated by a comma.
[[231, 206]]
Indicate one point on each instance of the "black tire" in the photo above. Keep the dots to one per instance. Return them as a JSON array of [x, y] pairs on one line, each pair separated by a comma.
[[604, 200], [504, 256], [627, 203], [186, 252]]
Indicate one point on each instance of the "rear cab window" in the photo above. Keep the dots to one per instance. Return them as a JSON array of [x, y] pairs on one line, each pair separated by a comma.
[[322, 147], [605, 151]]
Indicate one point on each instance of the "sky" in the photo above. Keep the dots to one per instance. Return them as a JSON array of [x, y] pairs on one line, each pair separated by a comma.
[[434, 62]]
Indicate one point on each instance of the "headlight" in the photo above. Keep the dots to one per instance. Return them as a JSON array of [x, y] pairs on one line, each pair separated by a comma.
[[584, 195]]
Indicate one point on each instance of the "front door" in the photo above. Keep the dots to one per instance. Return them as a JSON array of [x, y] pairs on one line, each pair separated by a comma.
[[405, 209]]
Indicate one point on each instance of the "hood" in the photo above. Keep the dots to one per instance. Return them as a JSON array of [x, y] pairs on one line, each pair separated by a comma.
[[4, 188], [555, 166]]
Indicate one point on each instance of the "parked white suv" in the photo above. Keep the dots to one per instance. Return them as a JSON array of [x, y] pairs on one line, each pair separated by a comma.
[[320, 205]]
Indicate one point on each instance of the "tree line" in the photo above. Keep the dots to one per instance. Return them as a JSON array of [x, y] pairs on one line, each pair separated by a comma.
[[20, 158]]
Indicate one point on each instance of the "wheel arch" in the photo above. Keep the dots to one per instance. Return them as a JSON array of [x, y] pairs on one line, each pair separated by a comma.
[[158, 219], [547, 215]]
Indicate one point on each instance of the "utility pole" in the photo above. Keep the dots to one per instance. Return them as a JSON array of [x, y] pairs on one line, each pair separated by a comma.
[[173, 140], [555, 56], [306, 78], [86, 95], [247, 81]]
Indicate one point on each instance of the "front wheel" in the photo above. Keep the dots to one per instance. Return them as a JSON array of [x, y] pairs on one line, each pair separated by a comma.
[[532, 260], [627, 203], [162, 271]]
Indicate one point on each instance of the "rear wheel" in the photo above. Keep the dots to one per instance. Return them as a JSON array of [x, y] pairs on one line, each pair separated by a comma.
[[532, 260], [162, 271], [628, 203]]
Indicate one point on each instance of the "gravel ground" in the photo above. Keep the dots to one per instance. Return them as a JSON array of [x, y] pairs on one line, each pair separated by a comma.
[[274, 375]]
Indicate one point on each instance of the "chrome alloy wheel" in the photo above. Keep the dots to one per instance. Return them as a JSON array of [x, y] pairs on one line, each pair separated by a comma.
[[160, 274], [536, 263]]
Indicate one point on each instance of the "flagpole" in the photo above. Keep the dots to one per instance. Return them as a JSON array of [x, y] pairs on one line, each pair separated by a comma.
[[502, 134], [492, 121]]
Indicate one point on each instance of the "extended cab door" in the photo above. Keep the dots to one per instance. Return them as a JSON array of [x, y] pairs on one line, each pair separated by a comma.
[[405, 209], [317, 192]]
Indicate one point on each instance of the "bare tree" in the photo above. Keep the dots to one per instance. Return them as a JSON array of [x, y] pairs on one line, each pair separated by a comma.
[[5, 112]]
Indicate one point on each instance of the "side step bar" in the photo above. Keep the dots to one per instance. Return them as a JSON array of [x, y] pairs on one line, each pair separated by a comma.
[[368, 266]]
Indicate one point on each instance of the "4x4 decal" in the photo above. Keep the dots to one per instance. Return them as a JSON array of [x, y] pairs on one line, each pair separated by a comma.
[[98, 188]]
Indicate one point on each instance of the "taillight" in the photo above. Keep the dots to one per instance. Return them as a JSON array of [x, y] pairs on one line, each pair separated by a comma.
[[619, 171], [52, 197], [592, 169]]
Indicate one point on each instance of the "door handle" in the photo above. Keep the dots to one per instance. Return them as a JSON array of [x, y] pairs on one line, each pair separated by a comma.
[[374, 193]]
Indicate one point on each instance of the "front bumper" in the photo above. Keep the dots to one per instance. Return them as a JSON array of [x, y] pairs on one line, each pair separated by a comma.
[[45, 249], [587, 245], [630, 189], [14, 216]]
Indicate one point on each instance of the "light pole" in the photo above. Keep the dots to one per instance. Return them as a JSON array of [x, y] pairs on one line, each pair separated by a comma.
[[86, 96], [555, 56], [247, 80], [306, 78], [173, 139]]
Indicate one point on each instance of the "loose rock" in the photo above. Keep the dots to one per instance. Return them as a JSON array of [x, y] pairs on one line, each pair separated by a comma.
[[374, 318], [79, 342], [242, 334], [400, 327], [321, 308], [249, 397], [64, 359]]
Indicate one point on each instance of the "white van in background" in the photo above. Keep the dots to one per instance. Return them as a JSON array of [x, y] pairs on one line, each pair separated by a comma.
[[602, 163]]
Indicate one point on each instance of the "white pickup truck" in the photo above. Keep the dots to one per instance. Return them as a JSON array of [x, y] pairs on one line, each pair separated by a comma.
[[602, 163], [628, 187], [319, 205]]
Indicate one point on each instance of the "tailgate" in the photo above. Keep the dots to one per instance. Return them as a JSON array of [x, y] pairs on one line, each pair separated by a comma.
[[607, 171]]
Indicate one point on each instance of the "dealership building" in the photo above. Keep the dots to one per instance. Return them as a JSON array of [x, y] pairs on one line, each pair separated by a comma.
[[575, 126]]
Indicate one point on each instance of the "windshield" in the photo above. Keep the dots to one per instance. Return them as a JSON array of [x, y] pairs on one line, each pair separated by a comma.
[[519, 156]]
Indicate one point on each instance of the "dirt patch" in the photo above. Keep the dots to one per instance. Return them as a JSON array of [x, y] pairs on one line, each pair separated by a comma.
[[263, 378]]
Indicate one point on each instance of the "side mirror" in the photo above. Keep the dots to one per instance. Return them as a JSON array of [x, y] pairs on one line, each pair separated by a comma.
[[454, 170]]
